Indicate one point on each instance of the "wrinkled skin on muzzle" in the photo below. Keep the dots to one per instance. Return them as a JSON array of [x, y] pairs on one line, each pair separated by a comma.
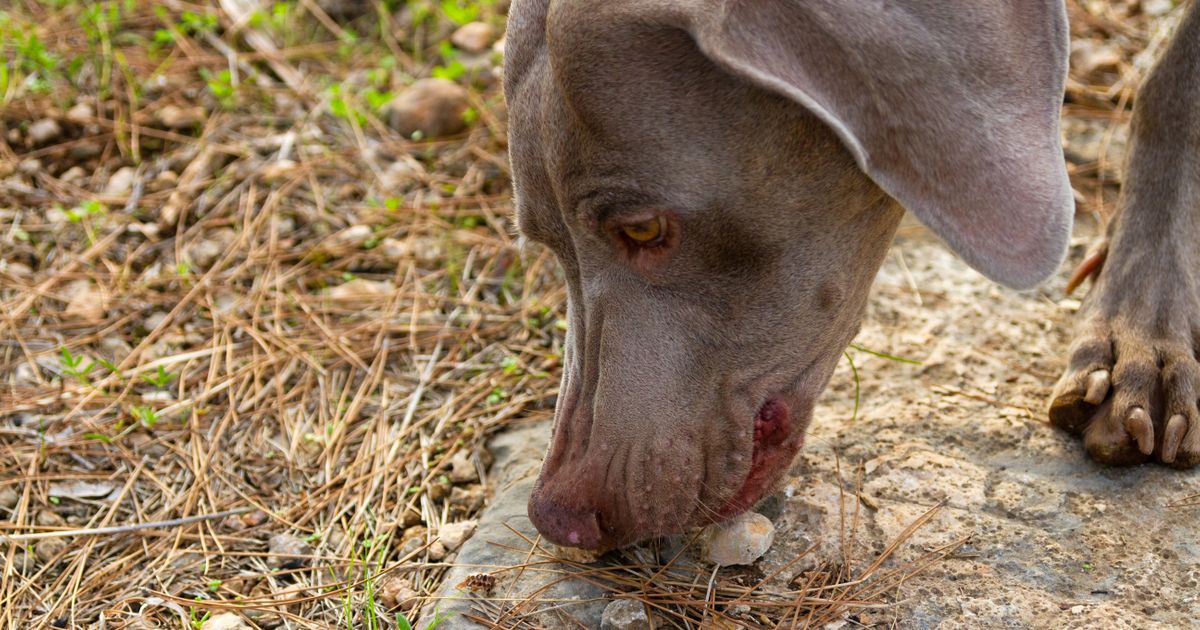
[[692, 365]]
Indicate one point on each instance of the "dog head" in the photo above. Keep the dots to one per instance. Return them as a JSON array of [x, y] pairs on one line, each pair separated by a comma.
[[720, 181]]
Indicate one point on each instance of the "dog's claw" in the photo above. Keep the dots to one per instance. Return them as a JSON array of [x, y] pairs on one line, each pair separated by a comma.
[[1138, 425], [1172, 437], [1097, 387]]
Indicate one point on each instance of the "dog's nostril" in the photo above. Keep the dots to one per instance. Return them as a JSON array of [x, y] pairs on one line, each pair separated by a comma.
[[564, 525]]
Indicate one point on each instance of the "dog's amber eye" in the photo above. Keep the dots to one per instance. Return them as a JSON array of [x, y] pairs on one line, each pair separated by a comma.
[[645, 232]]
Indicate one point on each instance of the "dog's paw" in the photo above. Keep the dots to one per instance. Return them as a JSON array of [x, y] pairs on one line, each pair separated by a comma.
[[1131, 386]]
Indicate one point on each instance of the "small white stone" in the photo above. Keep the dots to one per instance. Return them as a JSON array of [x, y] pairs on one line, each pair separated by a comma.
[[474, 36], [121, 182], [85, 300], [360, 288], [1077, 610], [625, 614], [452, 535], [44, 130], [741, 540], [224, 621], [462, 468], [174, 117], [354, 235], [81, 114]]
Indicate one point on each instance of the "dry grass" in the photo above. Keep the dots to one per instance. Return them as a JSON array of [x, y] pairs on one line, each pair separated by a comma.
[[317, 378], [259, 365]]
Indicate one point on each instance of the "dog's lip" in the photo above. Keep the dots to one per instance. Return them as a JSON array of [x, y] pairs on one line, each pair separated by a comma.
[[774, 429]]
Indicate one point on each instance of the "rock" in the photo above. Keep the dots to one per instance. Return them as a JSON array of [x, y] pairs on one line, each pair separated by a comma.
[[205, 252], [121, 182], [423, 250], [396, 593], [353, 236], [48, 549], [81, 489], [276, 171], [44, 131], [433, 107], [462, 468], [474, 37], [625, 614], [741, 540], [453, 535], [164, 180], [9, 497], [436, 551], [467, 500], [360, 288], [29, 166], [81, 114], [410, 517], [74, 175], [85, 300], [399, 175], [1155, 8], [225, 621], [255, 518], [175, 117], [1089, 57], [287, 552]]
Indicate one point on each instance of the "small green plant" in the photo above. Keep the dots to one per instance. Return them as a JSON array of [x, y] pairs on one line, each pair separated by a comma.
[[76, 366], [160, 378], [199, 617], [214, 584], [147, 416], [509, 365], [451, 69], [221, 85], [460, 11]]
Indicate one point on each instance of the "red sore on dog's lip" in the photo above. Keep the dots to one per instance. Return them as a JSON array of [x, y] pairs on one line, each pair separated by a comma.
[[772, 428]]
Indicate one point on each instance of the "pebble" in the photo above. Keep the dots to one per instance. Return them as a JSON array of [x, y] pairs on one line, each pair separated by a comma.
[[284, 548], [80, 114], [434, 107], [9, 497], [436, 551], [741, 540], [1155, 8], [205, 252], [625, 614], [44, 131], [474, 37], [48, 549], [225, 621], [462, 468], [73, 175], [85, 300], [121, 182], [452, 535], [354, 236], [276, 171], [360, 288], [175, 117], [395, 592]]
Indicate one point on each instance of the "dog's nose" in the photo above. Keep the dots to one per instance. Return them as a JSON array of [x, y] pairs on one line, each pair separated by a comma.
[[565, 525]]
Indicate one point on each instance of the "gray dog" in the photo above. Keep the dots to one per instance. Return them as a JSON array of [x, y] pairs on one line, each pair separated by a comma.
[[720, 180]]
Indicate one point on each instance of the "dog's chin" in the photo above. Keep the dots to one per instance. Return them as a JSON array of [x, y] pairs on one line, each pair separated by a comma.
[[778, 436]]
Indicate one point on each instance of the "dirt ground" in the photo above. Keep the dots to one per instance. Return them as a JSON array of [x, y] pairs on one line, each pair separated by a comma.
[[260, 315]]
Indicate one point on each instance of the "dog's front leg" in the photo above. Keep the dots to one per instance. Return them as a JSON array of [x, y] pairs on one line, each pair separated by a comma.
[[1131, 387]]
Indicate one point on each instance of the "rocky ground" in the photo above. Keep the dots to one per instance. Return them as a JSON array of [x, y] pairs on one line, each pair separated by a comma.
[[1049, 539], [262, 308]]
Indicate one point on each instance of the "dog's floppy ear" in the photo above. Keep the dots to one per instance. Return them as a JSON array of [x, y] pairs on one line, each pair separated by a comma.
[[951, 108]]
